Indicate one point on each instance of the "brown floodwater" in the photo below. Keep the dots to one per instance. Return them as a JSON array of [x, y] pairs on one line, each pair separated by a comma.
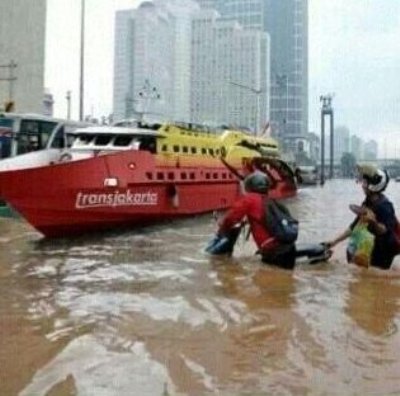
[[147, 312]]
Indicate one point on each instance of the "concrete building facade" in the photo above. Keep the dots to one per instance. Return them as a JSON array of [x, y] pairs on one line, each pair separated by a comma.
[[22, 40], [230, 75], [152, 62], [286, 21]]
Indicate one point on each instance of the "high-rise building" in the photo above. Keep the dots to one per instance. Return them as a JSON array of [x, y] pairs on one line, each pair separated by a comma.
[[357, 147], [249, 13], [229, 72], [22, 41], [286, 21], [152, 60]]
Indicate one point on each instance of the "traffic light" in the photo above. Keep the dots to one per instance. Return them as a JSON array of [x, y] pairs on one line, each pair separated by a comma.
[[9, 106]]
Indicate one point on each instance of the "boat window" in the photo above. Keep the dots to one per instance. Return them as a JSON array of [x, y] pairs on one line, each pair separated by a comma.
[[164, 147], [185, 149], [183, 176], [224, 175], [176, 149], [148, 143], [203, 151], [194, 150], [207, 176], [211, 151], [160, 176], [171, 175], [85, 139], [149, 175], [122, 140], [217, 152], [215, 175], [58, 140], [192, 175], [103, 140]]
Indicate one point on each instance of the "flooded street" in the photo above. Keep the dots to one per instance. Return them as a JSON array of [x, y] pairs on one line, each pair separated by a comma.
[[147, 312]]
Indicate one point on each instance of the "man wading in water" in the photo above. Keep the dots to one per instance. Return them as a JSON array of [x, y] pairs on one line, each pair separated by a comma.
[[378, 216], [253, 206]]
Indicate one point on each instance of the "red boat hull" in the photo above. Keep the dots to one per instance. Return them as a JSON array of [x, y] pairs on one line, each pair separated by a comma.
[[131, 188]]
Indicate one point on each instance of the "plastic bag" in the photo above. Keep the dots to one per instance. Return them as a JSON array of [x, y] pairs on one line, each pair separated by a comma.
[[360, 246]]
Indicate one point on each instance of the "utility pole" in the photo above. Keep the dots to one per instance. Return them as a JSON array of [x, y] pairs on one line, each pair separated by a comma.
[[257, 92], [11, 78], [68, 97], [82, 63], [326, 110]]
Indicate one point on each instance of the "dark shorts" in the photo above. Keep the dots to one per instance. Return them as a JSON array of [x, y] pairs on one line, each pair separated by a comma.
[[283, 257], [382, 256]]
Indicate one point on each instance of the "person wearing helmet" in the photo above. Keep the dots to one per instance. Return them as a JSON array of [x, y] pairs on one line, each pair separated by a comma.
[[251, 205], [379, 215]]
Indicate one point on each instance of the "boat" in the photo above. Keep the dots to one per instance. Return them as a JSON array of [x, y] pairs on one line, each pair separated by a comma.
[[117, 176]]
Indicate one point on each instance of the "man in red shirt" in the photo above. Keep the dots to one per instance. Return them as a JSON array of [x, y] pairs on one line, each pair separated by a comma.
[[252, 206]]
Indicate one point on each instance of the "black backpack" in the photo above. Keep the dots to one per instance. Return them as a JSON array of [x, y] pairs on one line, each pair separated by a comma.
[[280, 222]]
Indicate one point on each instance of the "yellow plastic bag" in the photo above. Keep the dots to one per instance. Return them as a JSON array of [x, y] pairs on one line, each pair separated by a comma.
[[360, 246]]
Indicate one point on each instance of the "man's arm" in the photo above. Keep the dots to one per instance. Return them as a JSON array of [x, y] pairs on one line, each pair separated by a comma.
[[341, 237], [234, 215]]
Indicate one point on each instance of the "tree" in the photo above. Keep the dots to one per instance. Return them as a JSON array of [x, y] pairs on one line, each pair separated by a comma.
[[348, 164]]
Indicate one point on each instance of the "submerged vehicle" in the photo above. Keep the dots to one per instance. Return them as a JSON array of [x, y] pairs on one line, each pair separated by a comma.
[[307, 175], [113, 176], [21, 134], [224, 245], [30, 140]]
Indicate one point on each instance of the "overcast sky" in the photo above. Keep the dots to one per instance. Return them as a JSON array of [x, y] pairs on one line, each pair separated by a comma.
[[354, 53]]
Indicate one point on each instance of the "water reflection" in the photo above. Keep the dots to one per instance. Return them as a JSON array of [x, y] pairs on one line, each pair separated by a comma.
[[373, 303], [146, 312]]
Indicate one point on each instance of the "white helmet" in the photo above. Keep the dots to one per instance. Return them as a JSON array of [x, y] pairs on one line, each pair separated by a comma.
[[377, 179]]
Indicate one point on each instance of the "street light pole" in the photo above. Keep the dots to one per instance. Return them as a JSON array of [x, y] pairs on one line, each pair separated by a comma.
[[257, 92], [282, 83], [68, 97], [326, 110], [82, 62]]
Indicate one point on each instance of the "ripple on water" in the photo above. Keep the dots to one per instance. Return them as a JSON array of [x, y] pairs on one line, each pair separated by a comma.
[[130, 312], [97, 370]]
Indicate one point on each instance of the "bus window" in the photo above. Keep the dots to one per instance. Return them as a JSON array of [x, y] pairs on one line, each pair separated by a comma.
[[34, 135], [46, 128], [6, 125], [58, 140]]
